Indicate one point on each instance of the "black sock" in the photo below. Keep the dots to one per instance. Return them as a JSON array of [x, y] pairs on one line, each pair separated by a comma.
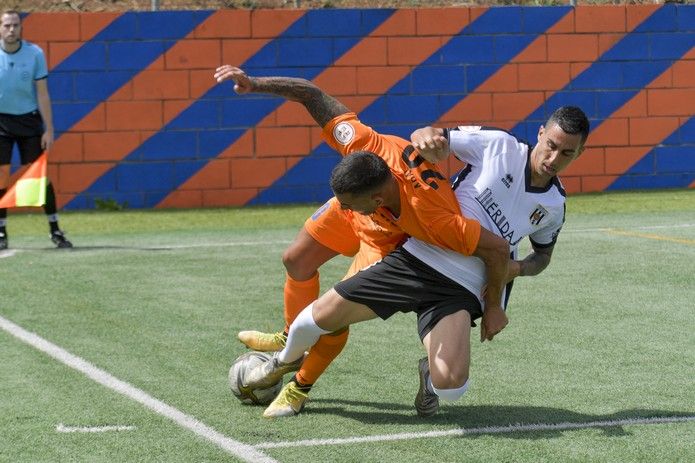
[[302, 387]]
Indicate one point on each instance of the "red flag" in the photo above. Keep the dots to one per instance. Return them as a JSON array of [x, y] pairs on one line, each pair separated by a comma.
[[30, 188]]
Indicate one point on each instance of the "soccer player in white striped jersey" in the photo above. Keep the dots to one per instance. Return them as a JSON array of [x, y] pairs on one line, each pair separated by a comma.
[[513, 190]]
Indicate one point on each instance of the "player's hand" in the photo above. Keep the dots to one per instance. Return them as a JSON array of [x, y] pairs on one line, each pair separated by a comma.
[[494, 321], [431, 144], [242, 82]]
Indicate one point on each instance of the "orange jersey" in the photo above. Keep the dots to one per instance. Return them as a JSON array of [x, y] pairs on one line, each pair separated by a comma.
[[429, 208]]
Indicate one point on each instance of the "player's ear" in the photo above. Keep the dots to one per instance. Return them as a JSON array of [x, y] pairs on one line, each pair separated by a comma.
[[541, 129]]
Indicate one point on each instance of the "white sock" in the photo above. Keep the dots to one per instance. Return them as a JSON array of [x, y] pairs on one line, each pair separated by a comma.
[[304, 332], [451, 394]]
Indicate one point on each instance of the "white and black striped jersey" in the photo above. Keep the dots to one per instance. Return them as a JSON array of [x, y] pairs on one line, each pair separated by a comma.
[[495, 189]]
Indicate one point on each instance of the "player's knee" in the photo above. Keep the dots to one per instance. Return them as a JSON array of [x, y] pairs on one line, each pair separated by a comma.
[[296, 264], [449, 376]]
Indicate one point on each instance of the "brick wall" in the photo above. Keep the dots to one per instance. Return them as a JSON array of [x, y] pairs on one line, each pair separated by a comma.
[[142, 122]]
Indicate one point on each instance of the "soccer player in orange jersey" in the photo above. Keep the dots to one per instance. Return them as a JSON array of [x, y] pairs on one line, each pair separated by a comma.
[[413, 199]]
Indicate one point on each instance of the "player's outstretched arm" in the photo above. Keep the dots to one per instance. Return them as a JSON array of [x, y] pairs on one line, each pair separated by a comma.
[[320, 105], [431, 143], [494, 252]]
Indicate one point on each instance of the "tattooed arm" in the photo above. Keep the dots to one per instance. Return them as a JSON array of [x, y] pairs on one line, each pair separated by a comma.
[[320, 105], [531, 265]]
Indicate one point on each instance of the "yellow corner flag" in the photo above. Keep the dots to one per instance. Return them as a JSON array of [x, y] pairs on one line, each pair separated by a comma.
[[30, 188]]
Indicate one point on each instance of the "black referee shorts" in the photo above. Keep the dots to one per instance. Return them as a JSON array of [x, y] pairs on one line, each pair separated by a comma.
[[25, 130], [401, 282]]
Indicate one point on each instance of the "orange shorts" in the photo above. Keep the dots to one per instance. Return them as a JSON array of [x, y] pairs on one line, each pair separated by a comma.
[[331, 227]]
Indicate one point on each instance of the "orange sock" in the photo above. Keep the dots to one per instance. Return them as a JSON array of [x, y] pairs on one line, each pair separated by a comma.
[[298, 295], [321, 355]]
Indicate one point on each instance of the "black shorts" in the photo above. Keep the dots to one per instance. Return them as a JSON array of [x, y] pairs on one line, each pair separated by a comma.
[[25, 130], [400, 282]]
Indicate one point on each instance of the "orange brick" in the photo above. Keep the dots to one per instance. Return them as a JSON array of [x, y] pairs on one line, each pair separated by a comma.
[[612, 132], [173, 108], [67, 148], [537, 51], [539, 76], [472, 109], [257, 173], [636, 14], [201, 81], [270, 23], [282, 141], [109, 146], [161, 85], [58, 51], [684, 73], [228, 198], [194, 54], [316, 140], [571, 185], [620, 158], [671, 102], [477, 11], [76, 177], [133, 115], [663, 80], [565, 25], [225, 23], [594, 183], [124, 93], [411, 50], [506, 79], [590, 162], [600, 18], [216, 174], [578, 68], [244, 147], [357, 103], [401, 22], [58, 27], [236, 51], [94, 121], [438, 21], [515, 105], [338, 81], [607, 41], [635, 107], [651, 130], [375, 80], [93, 23], [371, 51], [572, 47], [182, 200]]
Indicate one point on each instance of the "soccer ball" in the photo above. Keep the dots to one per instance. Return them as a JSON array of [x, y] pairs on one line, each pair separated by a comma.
[[237, 375]]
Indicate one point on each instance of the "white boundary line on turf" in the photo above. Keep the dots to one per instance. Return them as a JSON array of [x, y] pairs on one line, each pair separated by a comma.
[[645, 227], [238, 449], [7, 253], [474, 431], [62, 428]]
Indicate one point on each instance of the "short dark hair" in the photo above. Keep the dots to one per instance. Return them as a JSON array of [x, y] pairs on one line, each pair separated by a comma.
[[359, 173], [572, 120]]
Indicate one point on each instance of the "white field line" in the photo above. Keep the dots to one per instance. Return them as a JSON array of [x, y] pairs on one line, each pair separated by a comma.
[[474, 431], [7, 253], [645, 227], [62, 428], [238, 449]]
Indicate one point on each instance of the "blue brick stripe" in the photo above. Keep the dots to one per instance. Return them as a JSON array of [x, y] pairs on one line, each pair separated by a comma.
[[214, 121], [429, 91], [671, 164], [111, 58]]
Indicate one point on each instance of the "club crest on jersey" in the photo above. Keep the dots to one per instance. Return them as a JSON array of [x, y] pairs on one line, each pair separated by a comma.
[[538, 215], [343, 133], [507, 180]]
